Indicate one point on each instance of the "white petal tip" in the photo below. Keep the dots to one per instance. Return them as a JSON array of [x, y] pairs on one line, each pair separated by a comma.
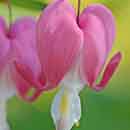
[[4, 127], [65, 120]]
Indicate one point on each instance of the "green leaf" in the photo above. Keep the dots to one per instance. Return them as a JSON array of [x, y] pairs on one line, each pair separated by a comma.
[[30, 4]]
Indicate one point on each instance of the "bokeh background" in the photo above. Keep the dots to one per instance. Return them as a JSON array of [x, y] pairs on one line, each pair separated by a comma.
[[107, 110]]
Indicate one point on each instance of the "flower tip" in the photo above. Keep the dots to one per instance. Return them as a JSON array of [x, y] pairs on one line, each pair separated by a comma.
[[108, 73], [77, 124], [119, 56]]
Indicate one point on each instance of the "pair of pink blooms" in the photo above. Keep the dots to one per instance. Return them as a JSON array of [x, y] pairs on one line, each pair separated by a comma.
[[61, 41], [37, 56]]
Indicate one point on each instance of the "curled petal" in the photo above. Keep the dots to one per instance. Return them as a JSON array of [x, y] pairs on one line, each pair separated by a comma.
[[109, 70], [26, 82], [59, 41]]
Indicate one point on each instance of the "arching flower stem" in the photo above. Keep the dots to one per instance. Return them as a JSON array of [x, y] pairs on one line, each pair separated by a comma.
[[8, 2], [78, 11]]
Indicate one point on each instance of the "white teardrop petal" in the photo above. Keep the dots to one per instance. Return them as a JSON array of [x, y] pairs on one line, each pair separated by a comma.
[[69, 113], [3, 121], [7, 85], [72, 80]]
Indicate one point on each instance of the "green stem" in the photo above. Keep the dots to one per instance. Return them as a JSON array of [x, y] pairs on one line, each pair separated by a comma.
[[10, 11]]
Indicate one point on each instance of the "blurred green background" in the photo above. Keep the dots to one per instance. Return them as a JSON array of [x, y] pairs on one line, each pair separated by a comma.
[[107, 110]]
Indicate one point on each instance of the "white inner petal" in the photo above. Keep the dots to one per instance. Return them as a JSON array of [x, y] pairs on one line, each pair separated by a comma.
[[66, 107], [7, 90], [7, 86], [3, 120], [72, 80]]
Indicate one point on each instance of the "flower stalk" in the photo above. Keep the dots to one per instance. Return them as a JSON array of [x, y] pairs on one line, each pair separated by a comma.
[[78, 11], [8, 2]]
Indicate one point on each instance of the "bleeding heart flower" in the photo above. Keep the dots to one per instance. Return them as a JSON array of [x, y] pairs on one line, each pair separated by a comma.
[[23, 33], [19, 63], [73, 51]]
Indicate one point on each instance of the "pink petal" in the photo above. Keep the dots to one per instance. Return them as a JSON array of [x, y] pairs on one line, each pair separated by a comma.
[[27, 74], [106, 17], [24, 43], [59, 41], [2, 25], [94, 52], [25, 82], [109, 70], [23, 34], [4, 45], [60, 4]]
